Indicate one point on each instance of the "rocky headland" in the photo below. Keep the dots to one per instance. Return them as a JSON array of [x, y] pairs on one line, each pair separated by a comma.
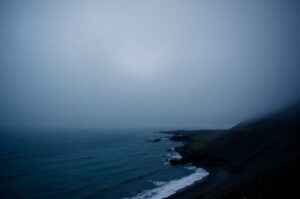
[[254, 159]]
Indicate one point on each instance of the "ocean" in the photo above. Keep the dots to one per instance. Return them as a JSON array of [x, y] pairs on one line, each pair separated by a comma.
[[106, 164]]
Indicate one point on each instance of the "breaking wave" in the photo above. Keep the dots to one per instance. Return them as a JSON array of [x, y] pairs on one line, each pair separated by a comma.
[[165, 189]]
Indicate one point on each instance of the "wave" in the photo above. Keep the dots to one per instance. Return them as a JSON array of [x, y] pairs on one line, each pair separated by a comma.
[[169, 188], [175, 155], [170, 156]]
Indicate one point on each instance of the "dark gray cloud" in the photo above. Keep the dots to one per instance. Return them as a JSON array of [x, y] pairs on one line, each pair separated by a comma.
[[166, 64]]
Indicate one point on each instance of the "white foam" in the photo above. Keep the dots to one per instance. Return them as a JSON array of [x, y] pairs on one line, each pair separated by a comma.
[[174, 155], [167, 189], [170, 156]]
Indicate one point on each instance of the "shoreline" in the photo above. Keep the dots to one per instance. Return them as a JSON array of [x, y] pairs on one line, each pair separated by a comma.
[[215, 178], [238, 169], [217, 175]]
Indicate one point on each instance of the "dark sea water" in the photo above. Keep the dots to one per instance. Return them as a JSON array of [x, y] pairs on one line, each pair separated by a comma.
[[89, 164]]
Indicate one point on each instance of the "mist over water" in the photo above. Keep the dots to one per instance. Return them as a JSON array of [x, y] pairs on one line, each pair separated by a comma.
[[144, 64], [89, 164]]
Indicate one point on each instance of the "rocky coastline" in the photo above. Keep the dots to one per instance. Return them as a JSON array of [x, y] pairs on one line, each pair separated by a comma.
[[251, 160]]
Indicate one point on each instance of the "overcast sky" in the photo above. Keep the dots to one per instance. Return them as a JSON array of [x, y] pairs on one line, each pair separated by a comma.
[[155, 63]]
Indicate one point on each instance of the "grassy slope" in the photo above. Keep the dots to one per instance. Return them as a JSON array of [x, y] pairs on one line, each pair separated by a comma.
[[263, 157]]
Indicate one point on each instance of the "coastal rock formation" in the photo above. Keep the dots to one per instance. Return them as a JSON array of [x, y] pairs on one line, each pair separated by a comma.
[[262, 158], [154, 139]]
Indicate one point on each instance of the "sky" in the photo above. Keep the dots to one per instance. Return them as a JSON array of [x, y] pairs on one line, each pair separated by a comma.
[[146, 64]]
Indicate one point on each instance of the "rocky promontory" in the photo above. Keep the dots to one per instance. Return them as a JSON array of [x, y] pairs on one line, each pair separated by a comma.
[[258, 159]]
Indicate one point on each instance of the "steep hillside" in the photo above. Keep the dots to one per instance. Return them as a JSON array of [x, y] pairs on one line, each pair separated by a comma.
[[262, 158]]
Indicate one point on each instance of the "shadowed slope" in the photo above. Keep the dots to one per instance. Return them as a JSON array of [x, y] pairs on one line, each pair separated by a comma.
[[262, 157]]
